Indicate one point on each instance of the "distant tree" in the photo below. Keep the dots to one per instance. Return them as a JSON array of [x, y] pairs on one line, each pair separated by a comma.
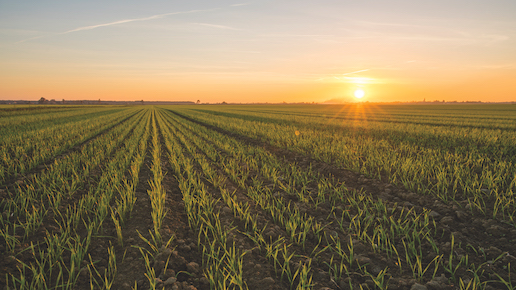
[[224, 103], [42, 100], [198, 102]]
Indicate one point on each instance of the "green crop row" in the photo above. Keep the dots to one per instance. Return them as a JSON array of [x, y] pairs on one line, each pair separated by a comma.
[[399, 232], [23, 150], [56, 260], [486, 180], [303, 220]]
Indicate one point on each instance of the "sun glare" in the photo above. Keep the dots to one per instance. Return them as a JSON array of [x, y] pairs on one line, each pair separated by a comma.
[[359, 93]]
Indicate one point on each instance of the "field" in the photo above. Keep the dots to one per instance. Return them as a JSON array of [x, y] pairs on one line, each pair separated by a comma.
[[356, 196]]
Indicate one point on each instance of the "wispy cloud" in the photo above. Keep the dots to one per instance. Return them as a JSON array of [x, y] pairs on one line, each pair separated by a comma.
[[430, 33], [355, 72], [32, 38], [295, 35], [239, 4], [217, 26], [90, 27], [496, 66], [227, 51], [348, 78]]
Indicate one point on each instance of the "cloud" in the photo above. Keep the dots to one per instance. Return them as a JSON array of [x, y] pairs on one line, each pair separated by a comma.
[[32, 38], [217, 26], [295, 35], [430, 33], [348, 78], [90, 27], [354, 72], [239, 4]]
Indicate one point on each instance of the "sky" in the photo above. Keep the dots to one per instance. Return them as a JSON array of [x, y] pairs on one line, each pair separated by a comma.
[[258, 51]]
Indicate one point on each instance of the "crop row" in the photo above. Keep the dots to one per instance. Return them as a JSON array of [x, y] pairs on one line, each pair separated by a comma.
[[24, 147], [483, 116], [72, 210], [398, 232], [483, 176], [247, 202]]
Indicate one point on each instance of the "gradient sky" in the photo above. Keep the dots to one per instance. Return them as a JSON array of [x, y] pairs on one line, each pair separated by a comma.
[[258, 51]]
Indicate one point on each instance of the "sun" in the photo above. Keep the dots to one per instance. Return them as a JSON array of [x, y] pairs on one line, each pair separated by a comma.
[[359, 93]]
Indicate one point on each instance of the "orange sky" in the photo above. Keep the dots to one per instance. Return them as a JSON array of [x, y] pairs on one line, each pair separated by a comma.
[[294, 51]]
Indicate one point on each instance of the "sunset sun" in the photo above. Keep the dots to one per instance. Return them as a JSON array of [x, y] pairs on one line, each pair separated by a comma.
[[359, 93]]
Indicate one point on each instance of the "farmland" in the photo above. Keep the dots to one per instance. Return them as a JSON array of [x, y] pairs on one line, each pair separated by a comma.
[[355, 196]]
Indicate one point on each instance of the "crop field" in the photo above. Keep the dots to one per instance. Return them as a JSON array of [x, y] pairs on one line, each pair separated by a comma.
[[357, 196]]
